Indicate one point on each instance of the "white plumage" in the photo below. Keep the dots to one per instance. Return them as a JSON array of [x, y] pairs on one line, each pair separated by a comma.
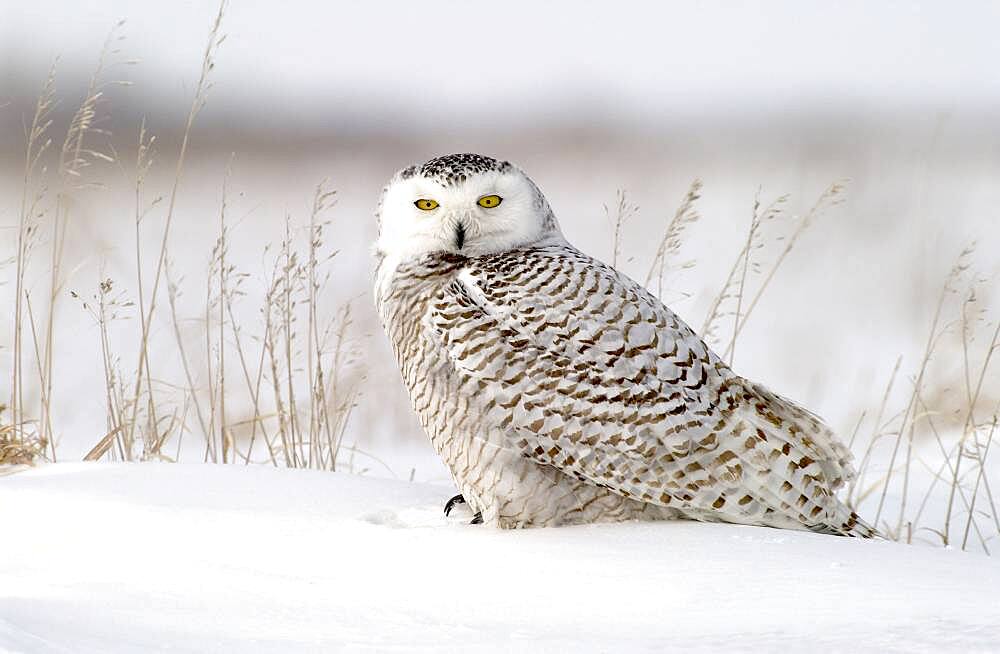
[[559, 391]]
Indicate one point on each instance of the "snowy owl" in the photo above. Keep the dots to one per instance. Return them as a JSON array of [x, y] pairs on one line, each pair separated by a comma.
[[559, 391]]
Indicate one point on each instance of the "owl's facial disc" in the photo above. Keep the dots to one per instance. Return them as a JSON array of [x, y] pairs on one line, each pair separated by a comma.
[[464, 210]]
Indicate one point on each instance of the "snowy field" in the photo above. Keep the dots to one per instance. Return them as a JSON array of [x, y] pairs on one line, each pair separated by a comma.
[[637, 97], [134, 558]]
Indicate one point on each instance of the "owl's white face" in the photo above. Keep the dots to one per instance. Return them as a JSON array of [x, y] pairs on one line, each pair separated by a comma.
[[462, 204]]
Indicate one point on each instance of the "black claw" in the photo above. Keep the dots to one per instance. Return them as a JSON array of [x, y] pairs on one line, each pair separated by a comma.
[[452, 503], [477, 519]]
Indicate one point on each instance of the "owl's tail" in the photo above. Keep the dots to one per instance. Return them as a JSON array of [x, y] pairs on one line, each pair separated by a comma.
[[852, 525], [800, 462]]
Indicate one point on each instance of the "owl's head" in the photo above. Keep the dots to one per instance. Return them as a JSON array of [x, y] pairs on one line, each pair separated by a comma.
[[464, 204]]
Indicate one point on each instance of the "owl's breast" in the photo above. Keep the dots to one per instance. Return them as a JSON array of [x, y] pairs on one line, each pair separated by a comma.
[[403, 302]]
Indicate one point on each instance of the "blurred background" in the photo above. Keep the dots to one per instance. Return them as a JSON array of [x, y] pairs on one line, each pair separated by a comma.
[[756, 99]]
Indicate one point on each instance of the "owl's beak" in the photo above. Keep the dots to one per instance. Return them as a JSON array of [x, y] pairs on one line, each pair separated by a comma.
[[459, 235]]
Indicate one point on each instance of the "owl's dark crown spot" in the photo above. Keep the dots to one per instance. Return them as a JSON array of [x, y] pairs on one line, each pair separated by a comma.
[[452, 169]]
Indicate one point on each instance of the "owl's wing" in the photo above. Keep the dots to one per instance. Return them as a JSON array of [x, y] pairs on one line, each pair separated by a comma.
[[583, 370]]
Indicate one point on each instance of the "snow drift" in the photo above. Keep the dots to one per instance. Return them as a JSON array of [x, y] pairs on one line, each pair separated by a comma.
[[147, 557]]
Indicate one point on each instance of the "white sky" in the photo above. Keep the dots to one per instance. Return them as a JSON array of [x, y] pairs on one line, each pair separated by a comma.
[[436, 58]]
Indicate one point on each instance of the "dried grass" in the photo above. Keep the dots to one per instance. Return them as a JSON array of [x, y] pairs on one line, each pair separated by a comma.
[[623, 211], [18, 446], [960, 487], [47, 214], [673, 236], [145, 414]]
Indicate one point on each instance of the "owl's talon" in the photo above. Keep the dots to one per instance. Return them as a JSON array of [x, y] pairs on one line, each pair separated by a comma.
[[477, 519], [452, 503]]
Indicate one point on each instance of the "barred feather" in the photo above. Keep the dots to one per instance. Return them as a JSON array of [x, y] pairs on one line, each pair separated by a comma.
[[559, 391]]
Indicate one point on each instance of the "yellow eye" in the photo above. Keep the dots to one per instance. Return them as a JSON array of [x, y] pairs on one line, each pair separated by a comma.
[[425, 204], [489, 201]]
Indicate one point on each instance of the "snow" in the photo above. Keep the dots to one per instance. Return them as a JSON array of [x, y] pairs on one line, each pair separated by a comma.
[[149, 557]]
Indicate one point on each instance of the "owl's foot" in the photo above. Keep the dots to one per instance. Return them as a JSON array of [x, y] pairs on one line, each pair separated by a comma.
[[477, 518], [452, 503]]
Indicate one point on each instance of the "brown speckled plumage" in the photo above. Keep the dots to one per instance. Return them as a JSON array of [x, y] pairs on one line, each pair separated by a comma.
[[559, 391]]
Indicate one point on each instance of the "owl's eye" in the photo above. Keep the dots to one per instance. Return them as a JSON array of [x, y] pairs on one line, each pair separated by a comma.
[[426, 204], [489, 201]]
